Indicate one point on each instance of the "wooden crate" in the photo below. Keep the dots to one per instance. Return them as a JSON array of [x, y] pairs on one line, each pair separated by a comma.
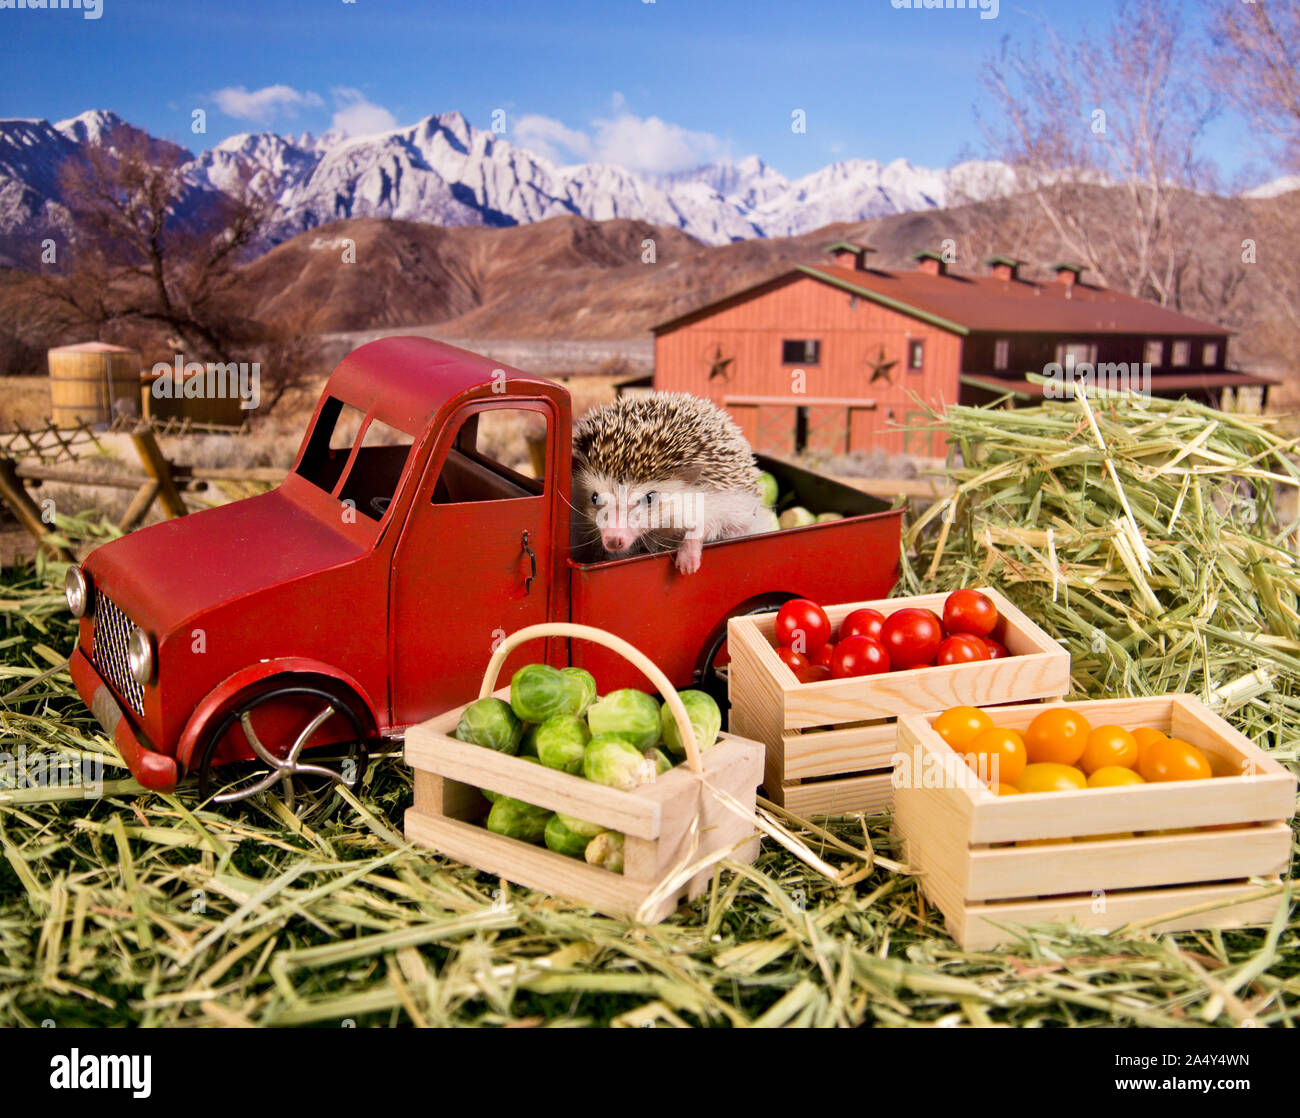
[[956, 832], [676, 828], [830, 745]]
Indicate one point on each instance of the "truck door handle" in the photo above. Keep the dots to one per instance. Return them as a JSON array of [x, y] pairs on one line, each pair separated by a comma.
[[532, 559]]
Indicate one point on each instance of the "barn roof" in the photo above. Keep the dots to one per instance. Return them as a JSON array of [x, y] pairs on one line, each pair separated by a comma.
[[985, 304]]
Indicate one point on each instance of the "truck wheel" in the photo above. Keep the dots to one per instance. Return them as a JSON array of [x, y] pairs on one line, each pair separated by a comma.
[[305, 786], [707, 676]]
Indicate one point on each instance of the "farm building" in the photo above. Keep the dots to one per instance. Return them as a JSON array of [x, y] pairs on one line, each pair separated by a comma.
[[842, 356]]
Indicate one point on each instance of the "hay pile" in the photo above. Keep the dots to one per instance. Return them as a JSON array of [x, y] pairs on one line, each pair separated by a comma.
[[148, 909], [1150, 538]]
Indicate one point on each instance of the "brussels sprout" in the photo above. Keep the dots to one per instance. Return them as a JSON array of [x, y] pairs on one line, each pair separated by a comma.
[[563, 840], [662, 761], [611, 760], [767, 521], [796, 517], [587, 682], [518, 820], [539, 691], [561, 742], [706, 721], [768, 488], [580, 826], [827, 517], [490, 723], [632, 715], [606, 849], [491, 796]]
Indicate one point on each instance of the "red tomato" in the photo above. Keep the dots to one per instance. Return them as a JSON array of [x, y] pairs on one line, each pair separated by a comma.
[[859, 656], [802, 625], [792, 659], [997, 650], [862, 623], [962, 648], [813, 673], [823, 655], [969, 611], [911, 637]]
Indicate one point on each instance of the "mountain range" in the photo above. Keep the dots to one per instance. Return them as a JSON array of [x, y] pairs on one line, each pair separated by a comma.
[[443, 171]]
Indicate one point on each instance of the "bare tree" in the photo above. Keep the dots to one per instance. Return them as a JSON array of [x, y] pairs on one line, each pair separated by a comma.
[[152, 257], [1120, 110], [1255, 61]]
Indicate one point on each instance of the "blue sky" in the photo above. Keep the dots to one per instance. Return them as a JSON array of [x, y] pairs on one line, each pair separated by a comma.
[[659, 85]]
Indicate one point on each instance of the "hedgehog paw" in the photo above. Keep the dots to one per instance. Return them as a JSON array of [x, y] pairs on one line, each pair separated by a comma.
[[688, 555]]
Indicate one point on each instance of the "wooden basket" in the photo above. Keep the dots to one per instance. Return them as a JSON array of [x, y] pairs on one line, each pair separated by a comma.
[[954, 830], [830, 745], [677, 827]]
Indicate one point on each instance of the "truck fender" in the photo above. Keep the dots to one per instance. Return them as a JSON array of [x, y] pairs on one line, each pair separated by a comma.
[[214, 705]]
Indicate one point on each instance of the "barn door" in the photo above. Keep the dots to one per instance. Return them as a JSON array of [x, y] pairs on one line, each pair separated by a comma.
[[828, 430], [776, 429]]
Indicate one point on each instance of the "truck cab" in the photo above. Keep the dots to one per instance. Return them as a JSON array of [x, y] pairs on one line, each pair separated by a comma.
[[368, 590]]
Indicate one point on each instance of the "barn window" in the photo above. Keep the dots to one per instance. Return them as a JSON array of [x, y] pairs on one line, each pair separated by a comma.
[[1002, 353], [915, 355], [1153, 353], [1182, 354], [1210, 354], [806, 351], [1081, 352]]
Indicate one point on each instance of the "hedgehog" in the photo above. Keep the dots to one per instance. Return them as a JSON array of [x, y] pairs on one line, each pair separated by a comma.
[[660, 472]]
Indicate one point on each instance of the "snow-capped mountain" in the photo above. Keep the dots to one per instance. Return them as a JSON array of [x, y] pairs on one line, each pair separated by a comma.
[[444, 171]]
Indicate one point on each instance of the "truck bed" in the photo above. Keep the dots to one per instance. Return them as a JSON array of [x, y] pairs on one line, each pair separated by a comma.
[[675, 619]]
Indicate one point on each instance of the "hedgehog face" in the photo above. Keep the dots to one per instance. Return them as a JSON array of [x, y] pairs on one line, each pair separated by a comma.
[[634, 516]]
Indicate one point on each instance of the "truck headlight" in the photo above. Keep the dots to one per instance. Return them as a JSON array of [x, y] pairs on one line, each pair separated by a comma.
[[76, 588], [139, 656]]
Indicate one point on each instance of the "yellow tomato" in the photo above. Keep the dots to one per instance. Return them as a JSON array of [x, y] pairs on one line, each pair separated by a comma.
[[1057, 736], [997, 755], [1174, 759], [959, 726], [1147, 735], [1007, 790], [1113, 776], [1049, 776], [1107, 746]]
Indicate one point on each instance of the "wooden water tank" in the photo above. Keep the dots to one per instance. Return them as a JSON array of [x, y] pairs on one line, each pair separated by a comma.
[[87, 379]]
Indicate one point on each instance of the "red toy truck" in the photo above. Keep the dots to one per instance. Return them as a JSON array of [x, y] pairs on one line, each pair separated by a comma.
[[366, 592]]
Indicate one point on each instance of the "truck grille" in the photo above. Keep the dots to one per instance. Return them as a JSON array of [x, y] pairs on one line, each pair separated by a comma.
[[108, 650]]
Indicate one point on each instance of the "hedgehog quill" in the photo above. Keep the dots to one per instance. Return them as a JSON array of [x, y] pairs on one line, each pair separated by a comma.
[[664, 472]]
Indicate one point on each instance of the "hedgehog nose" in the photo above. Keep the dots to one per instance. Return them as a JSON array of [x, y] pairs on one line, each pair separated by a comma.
[[615, 541]]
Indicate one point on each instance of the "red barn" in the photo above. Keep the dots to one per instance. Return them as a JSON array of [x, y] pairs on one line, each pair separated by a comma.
[[843, 356]]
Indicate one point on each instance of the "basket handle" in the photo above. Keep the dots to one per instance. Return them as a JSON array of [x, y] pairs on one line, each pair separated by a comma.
[[629, 652]]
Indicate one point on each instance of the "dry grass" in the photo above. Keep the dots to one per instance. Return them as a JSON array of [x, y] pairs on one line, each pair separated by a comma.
[[153, 910]]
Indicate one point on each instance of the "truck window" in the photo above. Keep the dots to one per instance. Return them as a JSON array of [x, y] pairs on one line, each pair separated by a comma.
[[330, 444], [372, 481], [499, 454]]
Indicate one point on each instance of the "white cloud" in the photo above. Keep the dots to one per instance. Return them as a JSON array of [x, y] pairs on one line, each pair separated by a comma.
[[265, 103], [625, 139], [356, 116], [550, 138]]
